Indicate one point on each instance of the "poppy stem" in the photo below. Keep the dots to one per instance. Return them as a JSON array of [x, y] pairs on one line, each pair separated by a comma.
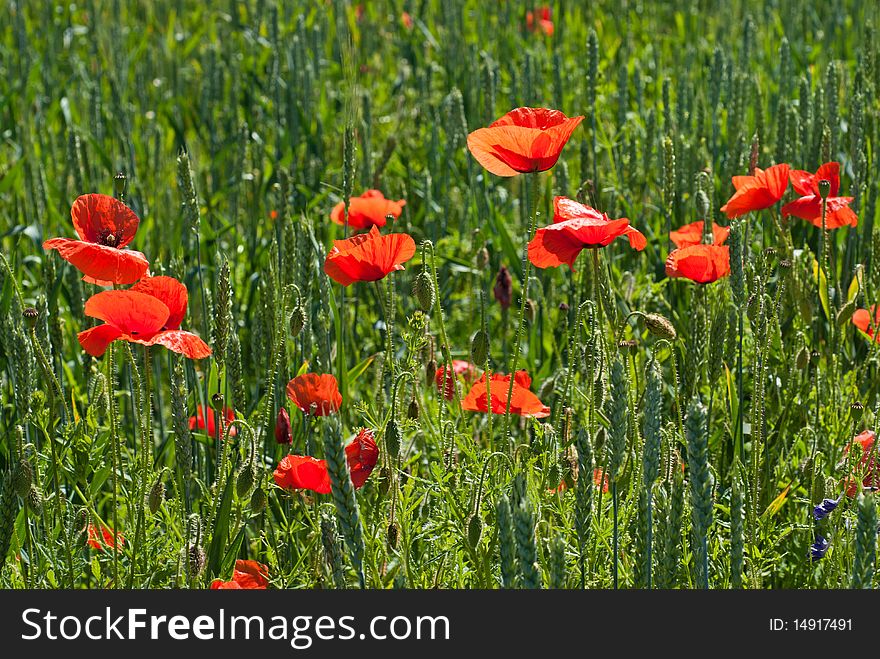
[[110, 384], [616, 535]]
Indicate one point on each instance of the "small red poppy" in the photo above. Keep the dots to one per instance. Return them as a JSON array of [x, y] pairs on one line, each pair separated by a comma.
[[862, 319], [761, 190], [247, 575], [197, 422], [303, 472], [522, 402], [368, 256], [867, 466], [148, 313], [313, 390], [105, 539], [809, 206], [371, 208], [523, 140], [600, 478], [700, 263], [406, 20], [459, 367], [692, 234], [575, 227], [105, 226], [540, 20], [283, 434]]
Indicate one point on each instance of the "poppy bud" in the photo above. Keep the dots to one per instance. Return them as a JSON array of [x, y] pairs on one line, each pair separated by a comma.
[[413, 411], [660, 326], [258, 501], [803, 358], [814, 357], [35, 500], [30, 315], [846, 312], [245, 481], [283, 434], [430, 371], [297, 320], [563, 306], [119, 184], [384, 480], [752, 307], [82, 520], [628, 346], [857, 409], [156, 496], [785, 264], [503, 289], [196, 560], [531, 310], [479, 347], [474, 530], [217, 401], [392, 438], [393, 534], [824, 188], [423, 289], [23, 478], [482, 259]]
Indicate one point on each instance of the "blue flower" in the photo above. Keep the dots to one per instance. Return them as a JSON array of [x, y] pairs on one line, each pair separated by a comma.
[[819, 548], [825, 508]]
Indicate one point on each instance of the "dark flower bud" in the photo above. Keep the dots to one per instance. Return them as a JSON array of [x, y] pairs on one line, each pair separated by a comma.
[[785, 264], [217, 401], [413, 410], [393, 534], [430, 371], [479, 347], [563, 306], [196, 560], [824, 188], [119, 184], [803, 358], [258, 501], [857, 409], [474, 530], [393, 438], [660, 326], [297, 320], [503, 288], [531, 310], [846, 312], [156, 496], [628, 346], [30, 315], [23, 478], [423, 289], [35, 500], [283, 434], [814, 357]]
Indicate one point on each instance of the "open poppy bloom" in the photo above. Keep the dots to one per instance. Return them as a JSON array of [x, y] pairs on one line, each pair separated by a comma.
[[247, 575], [197, 422], [303, 472], [862, 318], [149, 313], [459, 367], [700, 263], [692, 234], [809, 206], [315, 394], [522, 402], [371, 208], [105, 226], [761, 190], [104, 539], [523, 140], [368, 256], [576, 226], [540, 20], [866, 467]]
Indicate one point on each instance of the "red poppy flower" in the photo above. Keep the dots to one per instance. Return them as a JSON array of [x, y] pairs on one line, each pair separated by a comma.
[[371, 208], [756, 192], [862, 319], [368, 256], [247, 575], [575, 227], [303, 472], [283, 435], [867, 466], [313, 389], [459, 367], [503, 288], [700, 263], [104, 540], [407, 20], [544, 24], [197, 422], [523, 402], [600, 478], [692, 234], [809, 206], [523, 140], [105, 226], [150, 313]]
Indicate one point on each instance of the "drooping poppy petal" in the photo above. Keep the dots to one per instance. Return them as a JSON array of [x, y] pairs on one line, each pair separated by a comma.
[[861, 318], [459, 367], [283, 433], [866, 471], [197, 422], [522, 401], [171, 293], [247, 575], [692, 234], [184, 343], [103, 220], [700, 263], [104, 538], [95, 340], [368, 256], [302, 472], [761, 190], [371, 208], [315, 393], [100, 263], [361, 455], [136, 314], [522, 141]]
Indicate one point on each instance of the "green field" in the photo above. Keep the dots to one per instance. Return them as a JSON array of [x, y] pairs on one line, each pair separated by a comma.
[[670, 433]]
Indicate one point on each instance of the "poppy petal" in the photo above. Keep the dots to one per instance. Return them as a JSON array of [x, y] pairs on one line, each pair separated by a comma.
[[99, 262], [170, 292], [95, 340], [104, 220], [183, 343], [136, 314]]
